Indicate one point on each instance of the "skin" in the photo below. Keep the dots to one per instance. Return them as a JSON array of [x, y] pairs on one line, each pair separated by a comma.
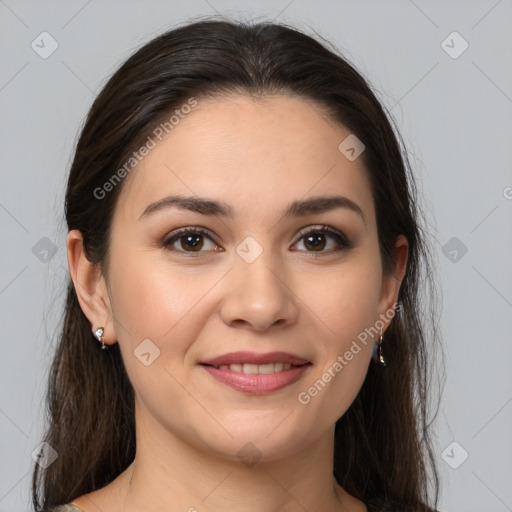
[[256, 156]]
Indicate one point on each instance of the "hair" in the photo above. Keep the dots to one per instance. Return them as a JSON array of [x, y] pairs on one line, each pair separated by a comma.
[[383, 452]]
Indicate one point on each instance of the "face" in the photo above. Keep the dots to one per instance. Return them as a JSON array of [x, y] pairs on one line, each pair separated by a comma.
[[189, 284]]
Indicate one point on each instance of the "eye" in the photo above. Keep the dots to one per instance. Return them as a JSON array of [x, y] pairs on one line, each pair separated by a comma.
[[315, 240], [188, 238], [191, 240]]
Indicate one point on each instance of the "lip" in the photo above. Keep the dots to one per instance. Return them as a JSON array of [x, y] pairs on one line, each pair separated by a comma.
[[257, 384], [255, 358]]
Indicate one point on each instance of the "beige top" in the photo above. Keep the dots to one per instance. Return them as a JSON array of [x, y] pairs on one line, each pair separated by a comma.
[[67, 508], [74, 508]]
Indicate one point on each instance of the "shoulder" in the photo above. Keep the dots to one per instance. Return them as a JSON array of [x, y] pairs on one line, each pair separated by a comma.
[[66, 508], [387, 506], [391, 509]]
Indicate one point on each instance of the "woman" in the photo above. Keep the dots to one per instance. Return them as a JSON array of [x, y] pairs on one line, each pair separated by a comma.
[[244, 246]]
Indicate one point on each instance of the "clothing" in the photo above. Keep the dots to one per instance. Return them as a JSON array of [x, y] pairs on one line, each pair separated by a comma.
[[74, 508], [66, 508]]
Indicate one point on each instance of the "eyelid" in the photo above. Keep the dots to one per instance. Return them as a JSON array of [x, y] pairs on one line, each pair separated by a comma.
[[322, 228]]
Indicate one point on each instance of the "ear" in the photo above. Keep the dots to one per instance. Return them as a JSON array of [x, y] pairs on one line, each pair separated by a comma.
[[90, 287], [391, 283]]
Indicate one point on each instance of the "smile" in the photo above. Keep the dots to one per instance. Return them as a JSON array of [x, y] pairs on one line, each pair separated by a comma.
[[257, 379], [262, 369]]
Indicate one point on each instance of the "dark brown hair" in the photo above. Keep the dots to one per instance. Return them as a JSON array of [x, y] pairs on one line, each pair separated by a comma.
[[383, 447]]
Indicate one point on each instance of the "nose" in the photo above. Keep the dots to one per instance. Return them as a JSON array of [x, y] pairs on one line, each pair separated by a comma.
[[259, 295]]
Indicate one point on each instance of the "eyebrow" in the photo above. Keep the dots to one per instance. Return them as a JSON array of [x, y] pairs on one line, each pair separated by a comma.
[[205, 206]]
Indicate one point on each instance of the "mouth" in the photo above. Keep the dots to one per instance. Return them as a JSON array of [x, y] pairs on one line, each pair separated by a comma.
[[259, 369], [253, 358], [257, 374]]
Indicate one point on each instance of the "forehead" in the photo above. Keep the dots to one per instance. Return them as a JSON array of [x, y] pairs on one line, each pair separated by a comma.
[[248, 153]]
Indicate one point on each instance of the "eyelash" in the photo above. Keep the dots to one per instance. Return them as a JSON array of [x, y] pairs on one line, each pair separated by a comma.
[[341, 239]]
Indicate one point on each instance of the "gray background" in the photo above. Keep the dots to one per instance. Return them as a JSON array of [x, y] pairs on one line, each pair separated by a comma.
[[455, 117]]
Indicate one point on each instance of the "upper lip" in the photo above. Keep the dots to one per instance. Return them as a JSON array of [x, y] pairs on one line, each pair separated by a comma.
[[255, 358]]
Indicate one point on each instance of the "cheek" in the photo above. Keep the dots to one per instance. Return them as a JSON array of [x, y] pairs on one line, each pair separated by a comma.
[[346, 299], [150, 297], [154, 312], [345, 312], [164, 303]]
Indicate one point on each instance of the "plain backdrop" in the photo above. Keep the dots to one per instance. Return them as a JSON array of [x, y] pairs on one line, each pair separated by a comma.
[[451, 96]]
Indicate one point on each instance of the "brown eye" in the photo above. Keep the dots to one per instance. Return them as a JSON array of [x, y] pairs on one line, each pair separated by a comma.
[[193, 240], [188, 240], [316, 240]]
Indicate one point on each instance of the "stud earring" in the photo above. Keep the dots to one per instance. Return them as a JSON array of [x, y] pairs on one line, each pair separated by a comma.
[[379, 351], [98, 334]]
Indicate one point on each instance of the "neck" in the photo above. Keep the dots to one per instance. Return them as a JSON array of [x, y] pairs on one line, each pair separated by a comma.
[[171, 474]]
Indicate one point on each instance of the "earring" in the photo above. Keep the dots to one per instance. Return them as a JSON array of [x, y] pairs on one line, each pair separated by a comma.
[[98, 334], [379, 351]]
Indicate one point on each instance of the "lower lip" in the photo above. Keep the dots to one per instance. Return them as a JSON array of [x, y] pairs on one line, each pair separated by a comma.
[[255, 383]]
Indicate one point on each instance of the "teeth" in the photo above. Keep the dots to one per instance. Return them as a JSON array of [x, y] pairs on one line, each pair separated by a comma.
[[262, 369]]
